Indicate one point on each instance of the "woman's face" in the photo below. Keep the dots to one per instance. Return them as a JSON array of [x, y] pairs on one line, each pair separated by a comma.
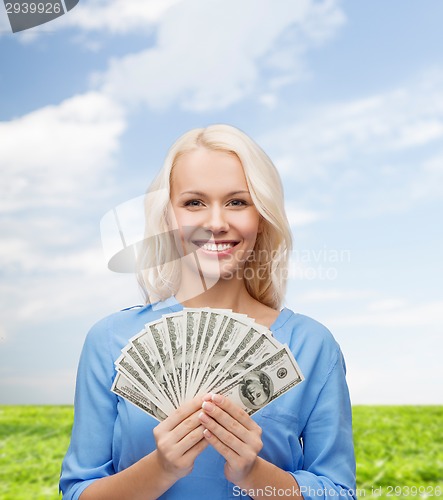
[[215, 215]]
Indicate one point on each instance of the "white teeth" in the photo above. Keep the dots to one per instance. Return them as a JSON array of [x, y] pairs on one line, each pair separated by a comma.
[[212, 247]]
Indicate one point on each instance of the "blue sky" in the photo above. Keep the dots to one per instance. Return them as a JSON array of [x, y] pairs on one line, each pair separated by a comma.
[[347, 99]]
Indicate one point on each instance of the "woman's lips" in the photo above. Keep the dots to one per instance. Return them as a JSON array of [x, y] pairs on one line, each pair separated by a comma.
[[216, 247]]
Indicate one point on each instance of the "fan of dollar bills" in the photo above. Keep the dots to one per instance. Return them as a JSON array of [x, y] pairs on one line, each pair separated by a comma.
[[195, 351]]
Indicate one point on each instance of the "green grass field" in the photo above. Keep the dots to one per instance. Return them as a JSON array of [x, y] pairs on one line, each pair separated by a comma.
[[399, 451]]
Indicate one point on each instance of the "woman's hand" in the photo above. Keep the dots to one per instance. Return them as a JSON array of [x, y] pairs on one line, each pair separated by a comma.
[[233, 433], [180, 439]]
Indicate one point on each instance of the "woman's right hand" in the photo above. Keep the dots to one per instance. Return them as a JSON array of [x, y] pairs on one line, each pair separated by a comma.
[[180, 439]]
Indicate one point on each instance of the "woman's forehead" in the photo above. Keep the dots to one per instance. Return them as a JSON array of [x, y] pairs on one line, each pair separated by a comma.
[[208, 169]]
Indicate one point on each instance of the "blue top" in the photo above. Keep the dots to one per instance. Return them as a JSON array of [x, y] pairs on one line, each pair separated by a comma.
[[307, 431]]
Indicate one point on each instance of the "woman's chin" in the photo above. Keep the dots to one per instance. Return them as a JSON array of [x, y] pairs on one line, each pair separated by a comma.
[[222, 274]]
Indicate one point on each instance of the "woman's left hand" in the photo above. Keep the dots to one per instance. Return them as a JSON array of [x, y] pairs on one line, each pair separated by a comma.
[[233, 433]]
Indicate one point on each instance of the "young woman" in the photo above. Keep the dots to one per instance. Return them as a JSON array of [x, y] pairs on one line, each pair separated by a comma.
[[220, 199]]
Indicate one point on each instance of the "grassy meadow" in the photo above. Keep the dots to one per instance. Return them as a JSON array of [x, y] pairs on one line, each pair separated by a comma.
[[399, 451]]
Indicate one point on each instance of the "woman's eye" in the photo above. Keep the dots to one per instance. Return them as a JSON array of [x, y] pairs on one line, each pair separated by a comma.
[[238, 203], [193, 203]]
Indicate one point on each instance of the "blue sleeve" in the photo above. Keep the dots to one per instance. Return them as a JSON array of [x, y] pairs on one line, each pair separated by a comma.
[[89, 456], [328, 449]]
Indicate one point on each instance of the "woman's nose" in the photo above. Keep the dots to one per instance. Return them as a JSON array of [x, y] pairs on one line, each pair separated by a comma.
[[216, 221]]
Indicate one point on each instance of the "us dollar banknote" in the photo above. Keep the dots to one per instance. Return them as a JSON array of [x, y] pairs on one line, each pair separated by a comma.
[[199, 350], [265, 381]]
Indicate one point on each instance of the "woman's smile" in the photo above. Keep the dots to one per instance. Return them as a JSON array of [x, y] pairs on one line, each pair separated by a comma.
[[216, 248]]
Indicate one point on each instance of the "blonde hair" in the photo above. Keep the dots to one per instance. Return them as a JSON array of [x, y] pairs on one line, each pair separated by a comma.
[[159, 264]]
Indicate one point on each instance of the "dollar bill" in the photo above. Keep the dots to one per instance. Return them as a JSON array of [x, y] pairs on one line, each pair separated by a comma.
[[174, 328], [145, 371], [124, 388], [254, 347], [237, 346], [144, 346], [194, 324], [232, 334], [265, 381], [147, 384], [160, 340], [215, 322]]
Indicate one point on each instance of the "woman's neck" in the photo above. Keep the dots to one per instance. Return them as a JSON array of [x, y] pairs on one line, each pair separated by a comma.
[[225, 294]]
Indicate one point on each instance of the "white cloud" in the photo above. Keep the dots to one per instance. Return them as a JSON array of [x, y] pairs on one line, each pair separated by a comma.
[[81, 286], [428, 184], [46, 154], [419, 133], [268, 100], [392, 121], [92, 294], [300, 217], [387, 305], [208, 57], [56, 164], [323, 295], [379, 149], [397, 382], [5, 27], [394, 314], [3, 334], [33, 254], [56, 387], [117, 16]]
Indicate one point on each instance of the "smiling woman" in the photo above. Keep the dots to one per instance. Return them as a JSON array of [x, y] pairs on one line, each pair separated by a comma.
[[221, 240]]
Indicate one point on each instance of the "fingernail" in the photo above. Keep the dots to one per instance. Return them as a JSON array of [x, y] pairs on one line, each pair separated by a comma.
[[207, 397], [203, 417], [217, 398], [207, 406], [207, 433]]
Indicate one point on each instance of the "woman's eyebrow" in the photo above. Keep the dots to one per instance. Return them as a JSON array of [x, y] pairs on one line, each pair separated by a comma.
[[197, 193], [232, 193]]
